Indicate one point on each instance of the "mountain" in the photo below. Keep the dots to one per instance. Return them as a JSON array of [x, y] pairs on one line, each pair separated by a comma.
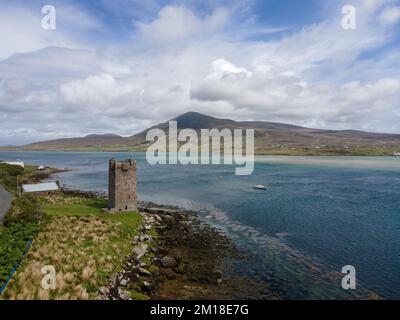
[[270, 138], [102, 136]]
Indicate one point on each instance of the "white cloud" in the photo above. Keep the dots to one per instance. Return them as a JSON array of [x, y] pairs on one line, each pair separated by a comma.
[[224, 70], [177, 23], [373, 5], [21, 28], [390, 15], [100, 90], [269, 94], [313, 76]]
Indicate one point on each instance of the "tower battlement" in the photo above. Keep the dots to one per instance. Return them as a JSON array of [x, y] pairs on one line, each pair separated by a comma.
[[122, 186]]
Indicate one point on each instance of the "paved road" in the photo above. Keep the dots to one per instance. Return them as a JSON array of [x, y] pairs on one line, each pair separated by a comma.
[[5, 202]]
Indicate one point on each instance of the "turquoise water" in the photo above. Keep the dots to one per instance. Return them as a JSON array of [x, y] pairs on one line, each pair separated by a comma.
[[318, 215]]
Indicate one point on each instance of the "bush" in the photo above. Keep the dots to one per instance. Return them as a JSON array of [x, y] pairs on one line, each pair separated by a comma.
[[13, 243], [9, 175], [11, 170], [25, 209]]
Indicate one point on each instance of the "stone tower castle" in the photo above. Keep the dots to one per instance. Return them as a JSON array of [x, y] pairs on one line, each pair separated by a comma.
[[122, 186]]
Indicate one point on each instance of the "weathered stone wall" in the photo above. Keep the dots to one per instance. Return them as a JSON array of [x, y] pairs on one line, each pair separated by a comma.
[[122, 186]]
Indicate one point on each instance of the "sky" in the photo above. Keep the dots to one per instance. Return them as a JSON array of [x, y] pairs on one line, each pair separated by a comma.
[[121, 66]]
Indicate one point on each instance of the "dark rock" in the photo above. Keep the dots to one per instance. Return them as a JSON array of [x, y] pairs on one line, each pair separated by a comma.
[[144, 272], [162, 250], [218, 273], [169, 219], [147, 286], [168, 262], [154, 250]]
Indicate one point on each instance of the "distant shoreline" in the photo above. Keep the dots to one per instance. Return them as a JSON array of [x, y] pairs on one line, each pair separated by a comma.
[[334, 152]]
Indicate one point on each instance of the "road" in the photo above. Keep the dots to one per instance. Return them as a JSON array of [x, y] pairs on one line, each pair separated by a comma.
[[5, 202]]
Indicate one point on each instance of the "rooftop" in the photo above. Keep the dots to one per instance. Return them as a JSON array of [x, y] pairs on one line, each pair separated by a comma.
[[40, 187]]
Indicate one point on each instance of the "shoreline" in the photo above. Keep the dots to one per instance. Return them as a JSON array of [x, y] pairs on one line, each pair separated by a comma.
[[277, 153], [177, 256], [185, 259], [39, 176]]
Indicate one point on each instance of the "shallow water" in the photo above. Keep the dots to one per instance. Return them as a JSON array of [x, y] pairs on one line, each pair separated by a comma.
[[318, 214]]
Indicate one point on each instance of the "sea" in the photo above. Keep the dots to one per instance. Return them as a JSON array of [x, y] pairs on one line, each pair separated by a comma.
[[318, 214]]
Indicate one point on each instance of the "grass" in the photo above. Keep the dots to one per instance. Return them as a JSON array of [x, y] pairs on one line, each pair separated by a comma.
[[85, 247], [89, 208]]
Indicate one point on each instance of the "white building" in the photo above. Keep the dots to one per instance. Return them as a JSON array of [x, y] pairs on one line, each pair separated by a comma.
[[41, 188]]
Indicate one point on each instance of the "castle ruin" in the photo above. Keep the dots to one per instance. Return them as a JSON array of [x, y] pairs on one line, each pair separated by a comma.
[[122, 186]]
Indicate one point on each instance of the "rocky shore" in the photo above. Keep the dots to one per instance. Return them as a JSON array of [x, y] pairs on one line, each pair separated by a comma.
[[41, 175], [177, 256]]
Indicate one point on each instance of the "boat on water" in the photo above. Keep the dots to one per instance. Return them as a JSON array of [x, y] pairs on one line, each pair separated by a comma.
[[396, 154], [260, 187]]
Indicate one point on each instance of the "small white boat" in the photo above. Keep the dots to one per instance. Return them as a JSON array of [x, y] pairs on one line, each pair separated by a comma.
[[396, 154], [260, 187]]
